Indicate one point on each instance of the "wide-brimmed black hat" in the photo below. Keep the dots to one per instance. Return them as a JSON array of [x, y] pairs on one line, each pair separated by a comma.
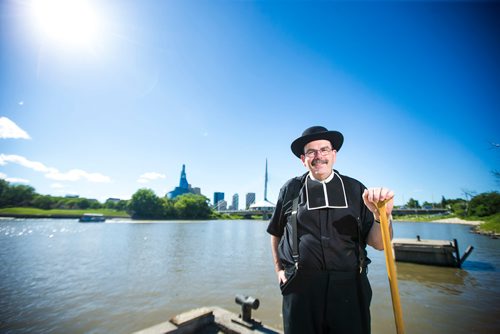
[[316, 133]]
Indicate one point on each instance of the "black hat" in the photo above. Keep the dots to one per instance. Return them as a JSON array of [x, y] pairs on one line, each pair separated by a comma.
[[316, 133]]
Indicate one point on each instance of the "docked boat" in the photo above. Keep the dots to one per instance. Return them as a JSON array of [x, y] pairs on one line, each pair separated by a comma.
[[206, 320], [432, 252], [92, 218]]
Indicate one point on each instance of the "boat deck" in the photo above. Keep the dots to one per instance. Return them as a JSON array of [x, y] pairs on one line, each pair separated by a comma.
[[209, 320]]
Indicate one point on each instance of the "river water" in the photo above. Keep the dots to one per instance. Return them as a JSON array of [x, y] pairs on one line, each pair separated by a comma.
[[61, 276]]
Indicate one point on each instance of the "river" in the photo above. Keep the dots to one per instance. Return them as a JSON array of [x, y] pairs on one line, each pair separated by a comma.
[[61, 276]]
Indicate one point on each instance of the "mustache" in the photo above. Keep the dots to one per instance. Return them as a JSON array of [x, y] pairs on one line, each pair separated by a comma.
[[319, 161]]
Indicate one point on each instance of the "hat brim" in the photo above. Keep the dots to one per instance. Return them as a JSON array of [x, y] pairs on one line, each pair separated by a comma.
[[335, 137]]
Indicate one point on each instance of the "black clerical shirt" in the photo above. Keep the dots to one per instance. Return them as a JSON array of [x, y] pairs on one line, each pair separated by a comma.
[[329, 214]]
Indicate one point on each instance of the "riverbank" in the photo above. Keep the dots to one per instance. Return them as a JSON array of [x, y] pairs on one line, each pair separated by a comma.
[[490, 226], [455, 220], [22, 212], [476, 226]]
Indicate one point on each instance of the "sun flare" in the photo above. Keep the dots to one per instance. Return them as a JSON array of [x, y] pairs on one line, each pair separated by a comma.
[[67, 22]]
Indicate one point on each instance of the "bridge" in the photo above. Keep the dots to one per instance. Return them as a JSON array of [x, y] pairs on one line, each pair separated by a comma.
[[247, 214], [404, 212], [266, 214]]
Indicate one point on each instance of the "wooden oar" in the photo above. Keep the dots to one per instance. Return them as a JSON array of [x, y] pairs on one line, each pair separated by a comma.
[[391, 267]]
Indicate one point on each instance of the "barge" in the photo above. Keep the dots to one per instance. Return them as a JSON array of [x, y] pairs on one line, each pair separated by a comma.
[[431, 252], [92, 218]]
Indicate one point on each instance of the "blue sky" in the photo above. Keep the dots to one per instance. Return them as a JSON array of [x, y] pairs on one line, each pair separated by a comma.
[[119, 96]]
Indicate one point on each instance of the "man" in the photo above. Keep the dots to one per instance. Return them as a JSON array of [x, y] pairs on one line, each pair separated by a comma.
[[335, 218]]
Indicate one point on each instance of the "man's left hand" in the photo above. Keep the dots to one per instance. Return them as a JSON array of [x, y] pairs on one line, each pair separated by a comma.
[[373, 196]]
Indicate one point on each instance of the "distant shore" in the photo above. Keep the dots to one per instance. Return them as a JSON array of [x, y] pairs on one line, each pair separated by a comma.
[[452, 220], [429, 219], [477, 226], [456, 220]]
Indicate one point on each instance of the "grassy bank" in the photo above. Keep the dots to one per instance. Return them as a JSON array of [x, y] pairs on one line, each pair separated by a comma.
[[421, 218], [491, 225], [58, 213]]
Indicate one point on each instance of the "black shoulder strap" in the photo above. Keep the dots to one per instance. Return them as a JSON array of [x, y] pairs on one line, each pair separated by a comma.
[[361, 252], [295, 240], [294, 192]]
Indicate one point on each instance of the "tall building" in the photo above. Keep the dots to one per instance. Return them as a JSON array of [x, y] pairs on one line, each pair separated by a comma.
[[218, 196], [249, 200], [236, 202], [221, 205], [184, 187]]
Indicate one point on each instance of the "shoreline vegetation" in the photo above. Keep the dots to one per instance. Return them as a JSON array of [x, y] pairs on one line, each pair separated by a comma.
[[485, 225], [488, 226], [22, 212]]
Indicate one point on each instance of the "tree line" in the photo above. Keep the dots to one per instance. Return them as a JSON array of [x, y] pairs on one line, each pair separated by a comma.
[[482, 205], [145, 204]]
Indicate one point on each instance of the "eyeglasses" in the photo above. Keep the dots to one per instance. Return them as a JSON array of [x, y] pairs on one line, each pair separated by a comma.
[[322, 152]]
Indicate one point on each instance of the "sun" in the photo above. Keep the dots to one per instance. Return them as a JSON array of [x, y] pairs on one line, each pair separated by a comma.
[[67, 22]]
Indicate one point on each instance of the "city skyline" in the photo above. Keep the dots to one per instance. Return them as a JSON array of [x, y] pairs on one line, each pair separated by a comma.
[[116, 98]]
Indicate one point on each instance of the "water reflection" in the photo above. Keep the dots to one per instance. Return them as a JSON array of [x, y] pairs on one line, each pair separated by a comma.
[[61, 276], [478, 266], [445, 280]]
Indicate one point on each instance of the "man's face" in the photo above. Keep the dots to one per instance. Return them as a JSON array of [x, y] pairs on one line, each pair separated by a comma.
[[319, 158]]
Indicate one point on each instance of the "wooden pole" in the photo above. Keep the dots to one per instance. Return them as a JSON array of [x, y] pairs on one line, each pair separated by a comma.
[[391, 267]]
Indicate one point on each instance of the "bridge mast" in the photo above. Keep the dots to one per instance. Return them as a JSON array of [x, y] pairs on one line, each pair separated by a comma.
[[265, 184]]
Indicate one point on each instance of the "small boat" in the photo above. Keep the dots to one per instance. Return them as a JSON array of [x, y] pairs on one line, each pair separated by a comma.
[[214, 320], [92, 218], [432, 252]]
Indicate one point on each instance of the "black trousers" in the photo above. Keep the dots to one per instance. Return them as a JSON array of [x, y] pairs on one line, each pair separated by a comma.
[[323, 302]]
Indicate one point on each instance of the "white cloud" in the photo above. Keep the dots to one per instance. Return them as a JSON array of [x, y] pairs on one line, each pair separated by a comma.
[[53, 173], [57, 186], [9, 129], [16, 180], [13, 179], [77, 174], [150, 176], [17, 159]]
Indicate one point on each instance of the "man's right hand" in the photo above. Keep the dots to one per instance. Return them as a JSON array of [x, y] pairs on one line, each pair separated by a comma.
[[281, 277]]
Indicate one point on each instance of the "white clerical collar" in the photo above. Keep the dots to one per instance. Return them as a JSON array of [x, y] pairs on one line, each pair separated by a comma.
[[328, 179], [329, 193]]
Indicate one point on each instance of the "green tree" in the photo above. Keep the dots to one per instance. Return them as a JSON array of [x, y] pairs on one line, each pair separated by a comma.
[[16, 195], [459, 208], [485, 204], [168, 208], [192, 206], [427, 205], [146, 205], [110, 204], [443, 202], [4, 189], [121, 205], [83, 203], [44, 202], [413, 204], [94, 204], [71, 203]]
